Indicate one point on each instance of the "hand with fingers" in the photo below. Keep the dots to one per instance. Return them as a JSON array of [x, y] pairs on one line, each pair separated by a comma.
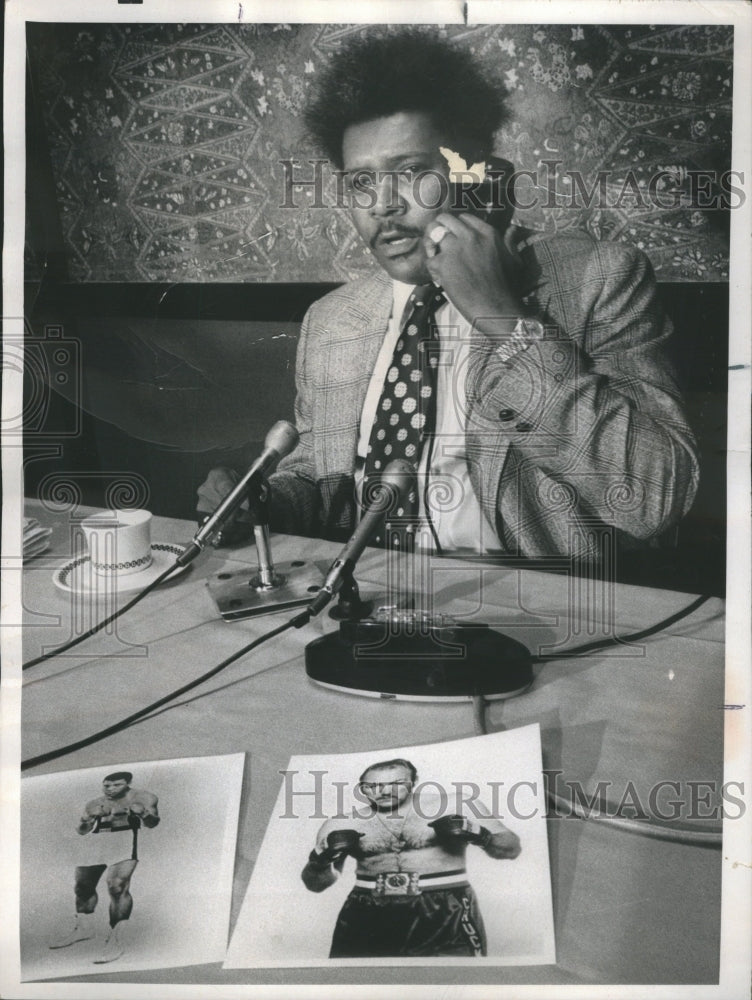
[[478, 269]]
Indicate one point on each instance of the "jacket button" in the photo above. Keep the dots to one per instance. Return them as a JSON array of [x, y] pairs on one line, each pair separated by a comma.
[[507, 414], [523, 426]]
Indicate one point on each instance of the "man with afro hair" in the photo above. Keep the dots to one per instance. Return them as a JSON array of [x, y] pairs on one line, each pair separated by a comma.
[[555, 426]]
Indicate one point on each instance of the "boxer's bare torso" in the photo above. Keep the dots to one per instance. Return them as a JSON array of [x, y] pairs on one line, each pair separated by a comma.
[[402, 840], [115, 810]]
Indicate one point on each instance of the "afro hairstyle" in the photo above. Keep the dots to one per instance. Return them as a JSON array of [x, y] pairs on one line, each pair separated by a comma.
[[379, 76]]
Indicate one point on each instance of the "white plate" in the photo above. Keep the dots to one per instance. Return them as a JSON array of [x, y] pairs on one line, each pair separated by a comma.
[[77, 577]]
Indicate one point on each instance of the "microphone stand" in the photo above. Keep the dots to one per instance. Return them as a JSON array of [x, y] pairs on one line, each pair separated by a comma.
[[266, 579], [401, 651], [349, 607], [290, 585]]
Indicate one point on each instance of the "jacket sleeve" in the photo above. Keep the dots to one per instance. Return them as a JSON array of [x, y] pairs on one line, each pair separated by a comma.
[[294, 493], [598, 409]]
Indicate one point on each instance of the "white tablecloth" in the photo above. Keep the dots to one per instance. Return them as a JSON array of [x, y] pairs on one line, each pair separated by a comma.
[[628, 908]]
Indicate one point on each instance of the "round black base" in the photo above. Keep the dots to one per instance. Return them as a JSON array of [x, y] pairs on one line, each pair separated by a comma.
[[453, 661]]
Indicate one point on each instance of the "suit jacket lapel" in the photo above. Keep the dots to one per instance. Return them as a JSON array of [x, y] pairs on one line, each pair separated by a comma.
[[349, 351]]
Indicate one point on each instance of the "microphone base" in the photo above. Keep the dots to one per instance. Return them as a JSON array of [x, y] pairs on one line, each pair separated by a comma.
[[241, 595], [419, 658], [350, 610]]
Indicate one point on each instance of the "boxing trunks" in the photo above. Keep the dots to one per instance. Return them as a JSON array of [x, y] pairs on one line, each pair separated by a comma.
[[112, 839], [400, 915]]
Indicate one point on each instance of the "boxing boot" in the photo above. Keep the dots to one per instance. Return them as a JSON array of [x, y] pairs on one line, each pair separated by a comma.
[[82, 931], [113, 947]]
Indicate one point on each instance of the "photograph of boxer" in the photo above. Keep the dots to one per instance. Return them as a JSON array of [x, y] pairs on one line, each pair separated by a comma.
[[411, 895], [423, 854], [110, 825], [128, 865]]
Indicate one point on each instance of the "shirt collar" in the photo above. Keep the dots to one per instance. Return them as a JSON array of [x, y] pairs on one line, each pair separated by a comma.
[[401, 292]]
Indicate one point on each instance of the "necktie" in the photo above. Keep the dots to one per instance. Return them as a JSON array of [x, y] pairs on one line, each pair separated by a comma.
[[406, 412]]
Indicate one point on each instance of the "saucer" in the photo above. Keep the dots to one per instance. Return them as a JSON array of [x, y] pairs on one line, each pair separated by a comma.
[[77, 576]]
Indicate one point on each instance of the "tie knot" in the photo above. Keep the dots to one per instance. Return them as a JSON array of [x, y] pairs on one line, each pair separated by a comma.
[[430, 295], [422, 305]]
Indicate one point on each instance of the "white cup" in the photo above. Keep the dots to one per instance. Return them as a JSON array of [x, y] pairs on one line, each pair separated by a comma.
[[119, 541]]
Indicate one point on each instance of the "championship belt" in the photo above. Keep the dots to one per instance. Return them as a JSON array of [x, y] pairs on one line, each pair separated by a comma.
[[395, 884]]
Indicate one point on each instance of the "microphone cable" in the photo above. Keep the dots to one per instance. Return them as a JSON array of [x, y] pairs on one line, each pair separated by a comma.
[[643, 827], [298, 621], [100, 625], [281, 440], [426, 507], [480, 703], [617, 640]]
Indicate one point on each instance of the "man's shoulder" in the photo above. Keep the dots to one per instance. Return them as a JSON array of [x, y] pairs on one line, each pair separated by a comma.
[[359, 296], [579, 250]]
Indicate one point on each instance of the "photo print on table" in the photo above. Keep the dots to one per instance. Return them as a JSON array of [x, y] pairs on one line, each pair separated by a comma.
[[160, 255], [128, 866], [423, 855]]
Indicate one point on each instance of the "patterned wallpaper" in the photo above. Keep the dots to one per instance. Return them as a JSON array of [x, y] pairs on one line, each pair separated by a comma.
[[165, 142]]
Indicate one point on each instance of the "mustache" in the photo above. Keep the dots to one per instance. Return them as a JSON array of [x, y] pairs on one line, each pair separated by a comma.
[[394, 231]]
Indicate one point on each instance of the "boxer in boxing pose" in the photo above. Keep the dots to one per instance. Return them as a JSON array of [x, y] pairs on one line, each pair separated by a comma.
[[411, 895], [111, 824]]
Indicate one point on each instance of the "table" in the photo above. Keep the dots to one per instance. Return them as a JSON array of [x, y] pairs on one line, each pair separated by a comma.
[[628, 908]]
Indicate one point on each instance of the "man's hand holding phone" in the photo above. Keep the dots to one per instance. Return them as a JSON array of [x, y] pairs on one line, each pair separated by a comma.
[[476, 266]]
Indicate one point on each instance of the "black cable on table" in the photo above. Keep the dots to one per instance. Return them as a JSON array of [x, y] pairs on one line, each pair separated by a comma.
[[100, 625], [297, 622], [617, 640], [480, 704], [645, 828]]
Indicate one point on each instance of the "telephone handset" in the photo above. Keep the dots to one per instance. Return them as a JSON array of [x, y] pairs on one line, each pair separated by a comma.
[[490, 200]]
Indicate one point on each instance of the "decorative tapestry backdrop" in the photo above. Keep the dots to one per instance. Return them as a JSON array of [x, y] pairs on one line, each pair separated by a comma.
[[166, 141]]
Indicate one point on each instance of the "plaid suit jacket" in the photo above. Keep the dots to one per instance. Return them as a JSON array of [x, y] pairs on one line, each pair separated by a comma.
[[573, 443]]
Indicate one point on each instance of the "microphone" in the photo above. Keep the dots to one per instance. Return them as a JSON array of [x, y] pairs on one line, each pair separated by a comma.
[[280, 441], [393, 487]]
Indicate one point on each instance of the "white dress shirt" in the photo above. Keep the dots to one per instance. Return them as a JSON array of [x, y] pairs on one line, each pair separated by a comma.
[[448, 495]]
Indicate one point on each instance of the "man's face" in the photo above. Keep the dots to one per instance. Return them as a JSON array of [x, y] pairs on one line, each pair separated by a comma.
[[115, 789], [392, 206], [387, 788]]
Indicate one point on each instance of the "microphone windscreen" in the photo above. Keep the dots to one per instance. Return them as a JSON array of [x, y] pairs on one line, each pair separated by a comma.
[[282, 437]]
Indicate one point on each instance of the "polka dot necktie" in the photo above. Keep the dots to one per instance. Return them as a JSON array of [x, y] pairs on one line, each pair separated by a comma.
[[406, 413]]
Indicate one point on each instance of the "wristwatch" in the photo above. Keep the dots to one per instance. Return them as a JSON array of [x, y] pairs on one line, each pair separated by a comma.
[[527, 331]]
